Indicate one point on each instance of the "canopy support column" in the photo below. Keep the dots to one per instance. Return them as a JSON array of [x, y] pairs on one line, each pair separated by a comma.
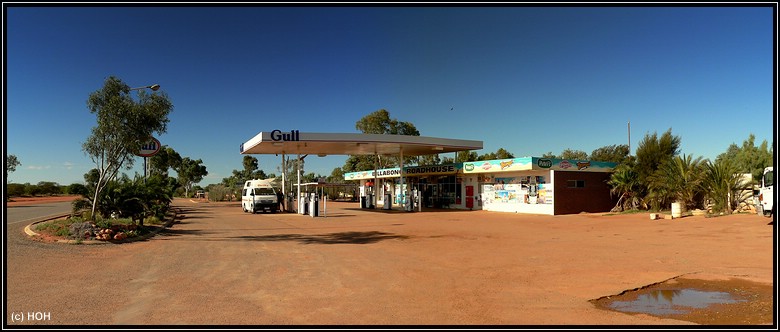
[[404, 193], [284, 181], [298, 172], [374, 199]]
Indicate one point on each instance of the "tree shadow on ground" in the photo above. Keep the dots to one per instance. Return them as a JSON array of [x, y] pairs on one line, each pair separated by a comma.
[[177, 232], [332, 238], [190, 210], [336, 215]]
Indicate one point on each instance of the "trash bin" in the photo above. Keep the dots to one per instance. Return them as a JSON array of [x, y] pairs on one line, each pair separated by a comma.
[[288, 205], [363, 202], [314, 209], [388, 202]]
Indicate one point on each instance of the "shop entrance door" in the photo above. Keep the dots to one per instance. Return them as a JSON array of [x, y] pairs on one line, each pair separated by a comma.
[[430, 194]]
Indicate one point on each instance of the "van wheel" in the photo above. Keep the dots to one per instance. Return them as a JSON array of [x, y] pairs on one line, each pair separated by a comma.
[[243, 208]]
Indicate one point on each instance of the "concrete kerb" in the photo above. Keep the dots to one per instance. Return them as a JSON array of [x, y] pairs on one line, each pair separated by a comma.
[[169, 220]]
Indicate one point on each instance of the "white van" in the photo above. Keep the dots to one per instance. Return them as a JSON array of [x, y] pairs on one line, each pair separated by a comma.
[[257, 195], [766, 193]]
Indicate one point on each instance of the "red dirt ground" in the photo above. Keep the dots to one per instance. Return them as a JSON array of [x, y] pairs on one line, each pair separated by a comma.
[[632, 251]]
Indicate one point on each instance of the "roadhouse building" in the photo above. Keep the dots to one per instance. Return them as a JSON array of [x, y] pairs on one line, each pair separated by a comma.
[[521, 185]]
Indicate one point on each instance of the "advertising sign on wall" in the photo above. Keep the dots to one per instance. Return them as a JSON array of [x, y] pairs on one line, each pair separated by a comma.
[[534, 163]]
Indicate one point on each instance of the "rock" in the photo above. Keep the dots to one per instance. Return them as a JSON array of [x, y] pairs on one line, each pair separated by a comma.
[[82, 230]]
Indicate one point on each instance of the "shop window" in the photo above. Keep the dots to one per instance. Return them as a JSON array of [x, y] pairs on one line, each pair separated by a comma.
[[575, 183]]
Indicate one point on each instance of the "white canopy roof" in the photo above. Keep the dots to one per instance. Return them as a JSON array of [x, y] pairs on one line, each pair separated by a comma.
[[295, 142]]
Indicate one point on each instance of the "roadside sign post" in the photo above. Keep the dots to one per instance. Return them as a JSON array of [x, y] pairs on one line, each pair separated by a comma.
[[148, 149]]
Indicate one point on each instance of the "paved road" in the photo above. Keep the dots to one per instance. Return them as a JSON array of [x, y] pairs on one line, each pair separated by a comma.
[[221, 266], [31, 213]]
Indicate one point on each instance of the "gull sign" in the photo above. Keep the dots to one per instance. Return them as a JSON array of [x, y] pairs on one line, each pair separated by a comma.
[[150, 148]]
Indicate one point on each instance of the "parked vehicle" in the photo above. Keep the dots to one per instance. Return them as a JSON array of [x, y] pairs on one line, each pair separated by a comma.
[[766, 195], [259, 195]]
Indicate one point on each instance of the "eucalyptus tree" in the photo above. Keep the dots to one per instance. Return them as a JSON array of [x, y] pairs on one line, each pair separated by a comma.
[[573, 154], [167, 158], [616, 153], [336, 176], [249, 171], [123, 126], [464, 156], [429, 159], [10, 164], [501, 153], [379, 122], [568, 154], [749, 158], [190, 172]]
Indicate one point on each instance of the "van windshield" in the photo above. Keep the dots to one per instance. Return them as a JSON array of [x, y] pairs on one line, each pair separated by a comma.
[[264, 191], [769, 178]]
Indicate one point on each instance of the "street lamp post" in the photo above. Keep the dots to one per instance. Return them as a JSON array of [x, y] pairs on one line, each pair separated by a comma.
[[153, 87]]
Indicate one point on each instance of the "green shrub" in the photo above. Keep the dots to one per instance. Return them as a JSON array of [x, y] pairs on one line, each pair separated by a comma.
[[57, 227], [218, 193], [103, 223], [76, 189], [153, 220], [65, 232], [14, 189]]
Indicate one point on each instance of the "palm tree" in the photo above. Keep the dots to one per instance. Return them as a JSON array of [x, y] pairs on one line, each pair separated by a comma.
[[676, 179], [661, 188], [625, 182], [722, 184], [689, 172]]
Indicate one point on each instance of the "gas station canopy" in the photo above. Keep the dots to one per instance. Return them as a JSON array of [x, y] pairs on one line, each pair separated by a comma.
[[322, 144]]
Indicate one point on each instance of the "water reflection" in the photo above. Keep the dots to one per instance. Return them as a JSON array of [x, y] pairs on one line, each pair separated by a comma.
[[672, 301]]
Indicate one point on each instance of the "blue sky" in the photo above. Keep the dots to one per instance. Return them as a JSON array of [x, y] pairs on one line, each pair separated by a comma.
[[530, 80]]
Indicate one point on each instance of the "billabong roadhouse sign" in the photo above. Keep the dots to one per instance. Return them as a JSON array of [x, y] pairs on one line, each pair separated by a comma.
[[395, 172], [149, 148]]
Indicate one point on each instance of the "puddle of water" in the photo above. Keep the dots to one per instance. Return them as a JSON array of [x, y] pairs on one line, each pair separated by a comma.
[[672, 301], [712, 302]]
